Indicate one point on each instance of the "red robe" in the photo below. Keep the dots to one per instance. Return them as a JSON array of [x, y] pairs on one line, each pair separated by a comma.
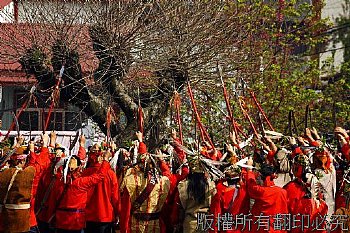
[[297, 150], [314, 143], [270, 156], [49, 178], [104, 201], [309, 207], [210, 153], [299, 204], [45, 208], [166, 223], [270, 200], [223, 200], [295, 192], [40, 162], [70, 212], [181, 154], [346, 151]]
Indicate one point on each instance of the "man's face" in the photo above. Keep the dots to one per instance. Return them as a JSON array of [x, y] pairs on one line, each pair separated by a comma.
[[323, 158], [95, 148], [73, 164], [298, 170], [59, 153]]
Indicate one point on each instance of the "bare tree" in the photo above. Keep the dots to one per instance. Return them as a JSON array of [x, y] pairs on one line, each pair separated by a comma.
[[111, 48]]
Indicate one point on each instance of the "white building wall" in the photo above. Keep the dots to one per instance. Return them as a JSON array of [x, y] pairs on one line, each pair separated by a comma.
[[333, 9], [57, 11], [6, 14]]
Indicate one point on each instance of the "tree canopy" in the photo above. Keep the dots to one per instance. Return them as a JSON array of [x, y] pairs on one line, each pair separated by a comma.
[[121, 53]]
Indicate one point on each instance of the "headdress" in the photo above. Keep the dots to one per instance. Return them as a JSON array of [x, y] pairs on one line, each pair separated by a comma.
[[233, 170], [20, 153], [59, 146], [200, 164]]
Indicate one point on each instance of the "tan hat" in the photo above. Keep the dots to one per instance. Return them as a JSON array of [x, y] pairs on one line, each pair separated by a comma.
[[59, 146], [196, 165], [20, 154]]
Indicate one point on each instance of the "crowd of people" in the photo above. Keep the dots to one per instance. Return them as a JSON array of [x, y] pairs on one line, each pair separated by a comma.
[[264, 185]]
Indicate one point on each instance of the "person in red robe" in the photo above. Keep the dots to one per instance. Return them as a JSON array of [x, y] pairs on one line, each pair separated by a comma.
[[304, 201], [181, 174], [230, 200], [344, 154], [50, 182], [40, 161], [270, 200], [296, 189], [103, 207], [71, 201], [342, 186], [344, 141]]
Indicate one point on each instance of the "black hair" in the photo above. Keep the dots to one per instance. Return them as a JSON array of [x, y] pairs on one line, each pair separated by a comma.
[[197, 186], [267, 170], [233, 181], [120, 163], [60, 148], [15, 162], [259, 156]]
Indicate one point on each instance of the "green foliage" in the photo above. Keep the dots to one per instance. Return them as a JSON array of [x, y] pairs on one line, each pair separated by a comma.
[[282, 78]]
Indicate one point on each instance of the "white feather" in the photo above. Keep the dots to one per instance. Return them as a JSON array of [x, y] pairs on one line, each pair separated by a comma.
[[273, 133], [213, 162], [114, 160], [223, 157], [65, 170], [136, 149], [245, 143], [242, 163]]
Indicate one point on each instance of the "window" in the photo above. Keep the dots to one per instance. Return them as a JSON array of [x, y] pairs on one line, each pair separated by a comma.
[[34, 117], [29, 120]]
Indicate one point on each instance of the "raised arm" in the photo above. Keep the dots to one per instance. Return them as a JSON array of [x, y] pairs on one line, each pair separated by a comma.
[[85, 183], [82, 152], [255, 191], [142, 145]]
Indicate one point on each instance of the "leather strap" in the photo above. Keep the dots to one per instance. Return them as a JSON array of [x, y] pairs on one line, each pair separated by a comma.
[[17, 206], [146, 216], [10, 184], [72, 210], [143, 196], [46, 196]]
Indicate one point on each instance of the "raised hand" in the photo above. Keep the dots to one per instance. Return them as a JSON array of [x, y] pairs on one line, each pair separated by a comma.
[[82, 140], [173, 134], [45, 138], [53, 137], [308, 133], [139, 136], [31, 146], [292, 141], [233, 137]]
